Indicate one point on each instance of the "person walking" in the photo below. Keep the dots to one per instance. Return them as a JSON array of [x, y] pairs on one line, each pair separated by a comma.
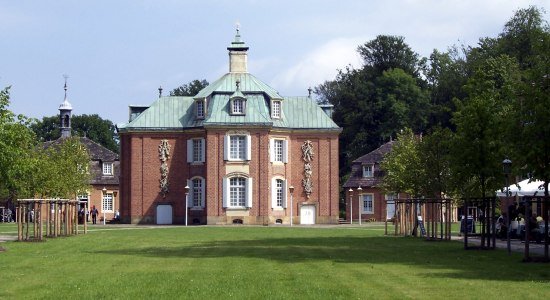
[[94, 214]]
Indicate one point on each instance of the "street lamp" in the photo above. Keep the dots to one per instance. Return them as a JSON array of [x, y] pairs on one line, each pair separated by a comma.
[[360, 193], [350, 206], [104, 190], [507, 169], [186, 202], [291, 190]]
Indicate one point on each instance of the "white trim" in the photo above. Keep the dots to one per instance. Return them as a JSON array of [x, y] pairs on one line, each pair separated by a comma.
[[285, 151], [225, 189], [249, 192], [248, 155], [272, 150], [284, 193], [226, 147]]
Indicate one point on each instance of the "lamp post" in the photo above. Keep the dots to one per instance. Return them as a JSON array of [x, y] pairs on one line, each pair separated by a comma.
[[507, 169], [360, 193], [104, 190], [186, 202], [291, 190], [350, 206]]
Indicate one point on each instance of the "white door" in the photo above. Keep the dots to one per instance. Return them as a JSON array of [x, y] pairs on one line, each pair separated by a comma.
[[164, 214], [307, 214], [390, 210]]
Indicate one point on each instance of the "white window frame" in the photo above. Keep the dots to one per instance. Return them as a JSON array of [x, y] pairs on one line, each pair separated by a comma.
[[230, 191], [238, 106], [195, 155], [278, 193], [197, 189], [281, 157], [107, 168], [244, 152], [366, 172], [276, 109], [200, 109], [107, 201], [365, 207]]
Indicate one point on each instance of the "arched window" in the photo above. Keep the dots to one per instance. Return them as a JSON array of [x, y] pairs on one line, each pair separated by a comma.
[[278, 193], [237, 192]]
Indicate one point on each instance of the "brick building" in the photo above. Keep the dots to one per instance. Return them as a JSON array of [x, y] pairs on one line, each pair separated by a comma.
[[238, 146], [371, 201], [104, 168]]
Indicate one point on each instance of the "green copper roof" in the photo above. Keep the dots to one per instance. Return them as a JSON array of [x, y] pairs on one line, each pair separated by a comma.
[[248, 84], [166, 112]]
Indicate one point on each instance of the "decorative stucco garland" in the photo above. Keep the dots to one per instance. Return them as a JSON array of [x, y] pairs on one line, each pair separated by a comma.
[[307, 156], [164, 154]]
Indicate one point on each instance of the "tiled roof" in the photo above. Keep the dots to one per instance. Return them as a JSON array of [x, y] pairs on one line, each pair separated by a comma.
[[374, 158], [98, 155]]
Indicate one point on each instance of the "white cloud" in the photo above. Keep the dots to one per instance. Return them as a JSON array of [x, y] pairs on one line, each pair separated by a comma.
[[319, 65]]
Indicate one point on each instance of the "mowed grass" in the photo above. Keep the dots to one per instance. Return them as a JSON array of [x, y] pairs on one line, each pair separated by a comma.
[[260, 263]]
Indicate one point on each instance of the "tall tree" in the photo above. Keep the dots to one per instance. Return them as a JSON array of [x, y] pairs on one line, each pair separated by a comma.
[[99, 130], [190, 89], [479, 144], [375, 102]]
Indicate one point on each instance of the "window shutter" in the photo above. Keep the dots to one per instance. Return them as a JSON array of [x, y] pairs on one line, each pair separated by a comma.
[[189, 151], [249, 192], [203, 151], [225, 190], [285, 151], [203, 192], [284, 193], [226, 147], [273, 192], [248, 147], [271, 150], [190, 195]]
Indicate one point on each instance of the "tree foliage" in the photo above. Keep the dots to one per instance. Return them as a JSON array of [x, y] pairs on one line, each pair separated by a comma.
[[190, 89], [95, 128], [27, 169], [375, 102]]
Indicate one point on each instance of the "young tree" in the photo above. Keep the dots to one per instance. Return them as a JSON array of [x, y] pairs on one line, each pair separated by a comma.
[[17, 142]]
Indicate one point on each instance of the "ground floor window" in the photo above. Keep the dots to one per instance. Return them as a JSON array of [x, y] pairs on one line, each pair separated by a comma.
[[107, 203], [368, 204]]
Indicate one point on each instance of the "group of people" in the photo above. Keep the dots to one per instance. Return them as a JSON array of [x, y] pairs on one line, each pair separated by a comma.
[[94, 213], [517, 229]]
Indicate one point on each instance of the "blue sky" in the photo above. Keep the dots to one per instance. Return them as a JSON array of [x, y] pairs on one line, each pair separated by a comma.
[[118, 53]]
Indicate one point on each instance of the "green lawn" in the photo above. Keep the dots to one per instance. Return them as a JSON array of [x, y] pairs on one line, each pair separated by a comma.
[[260, 263]]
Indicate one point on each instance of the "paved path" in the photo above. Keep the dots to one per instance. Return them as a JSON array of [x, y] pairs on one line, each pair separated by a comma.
[[515, 245]]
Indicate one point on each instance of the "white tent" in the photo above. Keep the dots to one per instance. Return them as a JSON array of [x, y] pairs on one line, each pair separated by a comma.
[[524, 188]]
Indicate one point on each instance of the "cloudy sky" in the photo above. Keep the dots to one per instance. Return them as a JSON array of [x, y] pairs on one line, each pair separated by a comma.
[[118, 52]]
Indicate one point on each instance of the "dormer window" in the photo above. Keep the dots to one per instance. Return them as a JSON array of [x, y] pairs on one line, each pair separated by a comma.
[[107, 168], [276, 109], [199, 109], [238, 106], [368, 171]]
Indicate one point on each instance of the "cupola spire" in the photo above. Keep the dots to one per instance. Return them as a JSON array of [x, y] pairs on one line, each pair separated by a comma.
[[65, 110]]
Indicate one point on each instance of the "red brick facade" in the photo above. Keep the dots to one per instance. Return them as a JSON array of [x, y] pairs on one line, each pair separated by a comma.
[[140, 175]]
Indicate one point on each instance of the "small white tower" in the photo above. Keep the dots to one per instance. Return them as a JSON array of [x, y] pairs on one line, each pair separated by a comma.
[[65, 110]]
